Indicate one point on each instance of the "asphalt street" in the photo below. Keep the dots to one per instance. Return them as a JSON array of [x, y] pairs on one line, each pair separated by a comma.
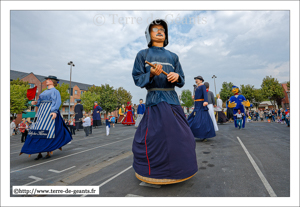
[[252, 162]]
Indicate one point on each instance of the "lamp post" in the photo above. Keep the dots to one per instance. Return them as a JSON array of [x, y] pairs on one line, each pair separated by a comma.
[[71, 64], [214, 77]]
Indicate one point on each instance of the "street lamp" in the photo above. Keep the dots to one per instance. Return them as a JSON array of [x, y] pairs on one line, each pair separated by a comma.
[[71, 64], [214, 77]]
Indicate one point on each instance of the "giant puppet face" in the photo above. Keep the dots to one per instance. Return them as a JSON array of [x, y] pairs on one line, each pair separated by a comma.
[[235, 90], [157, 33], [49, 82]]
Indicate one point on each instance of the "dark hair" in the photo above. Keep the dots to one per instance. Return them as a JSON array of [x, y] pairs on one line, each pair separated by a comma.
[[206, 84], [141, 99], [54, 82]]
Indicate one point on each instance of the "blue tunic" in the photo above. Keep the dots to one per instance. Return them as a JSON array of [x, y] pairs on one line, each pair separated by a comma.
[[46, 134], [141, 109], [52, 95], [238, 99], [141, 75], [163, 145], [107, 123], [96, 116], [199, 120]]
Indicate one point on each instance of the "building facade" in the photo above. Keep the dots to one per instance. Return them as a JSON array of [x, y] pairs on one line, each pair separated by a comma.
[[37, 80], [285, 102]]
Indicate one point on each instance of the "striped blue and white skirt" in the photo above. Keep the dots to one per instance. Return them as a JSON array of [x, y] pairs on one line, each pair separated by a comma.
[[46, 134], [43, 125]]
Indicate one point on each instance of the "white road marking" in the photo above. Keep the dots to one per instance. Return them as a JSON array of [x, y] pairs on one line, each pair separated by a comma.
[[110, 179], [74, 140], [68, 155], [260, 174], [56, 171], [35, 178], [149, 185], [132, 195]]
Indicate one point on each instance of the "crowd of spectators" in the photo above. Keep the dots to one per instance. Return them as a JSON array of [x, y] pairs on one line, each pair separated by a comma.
[[281, 115]]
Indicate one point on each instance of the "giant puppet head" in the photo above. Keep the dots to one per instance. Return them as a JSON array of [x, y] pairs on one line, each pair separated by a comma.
[[157, 31], [235, 89]]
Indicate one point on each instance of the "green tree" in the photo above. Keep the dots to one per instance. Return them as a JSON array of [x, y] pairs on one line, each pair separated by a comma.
[[187, 100], [108, 98], [122, 96], [87, 100], [288, 85], [248, 92], [258, 97], [272, 89], [226, 91], [19, 82], [64, 94], [18, 98]]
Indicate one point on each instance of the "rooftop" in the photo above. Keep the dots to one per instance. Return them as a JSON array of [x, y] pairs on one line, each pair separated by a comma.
[[18, 74]]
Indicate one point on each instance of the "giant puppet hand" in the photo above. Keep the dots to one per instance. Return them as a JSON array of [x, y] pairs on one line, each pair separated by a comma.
[[172, 77], [53, 114], [156, 71], [205, 103], [246, 103], [231, 104]]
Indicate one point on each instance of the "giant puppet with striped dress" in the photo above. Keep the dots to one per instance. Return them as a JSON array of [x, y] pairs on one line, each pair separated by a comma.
[[48, 131]]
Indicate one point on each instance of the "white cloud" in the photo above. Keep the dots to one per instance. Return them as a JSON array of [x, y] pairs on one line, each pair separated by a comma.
[[241, 47]]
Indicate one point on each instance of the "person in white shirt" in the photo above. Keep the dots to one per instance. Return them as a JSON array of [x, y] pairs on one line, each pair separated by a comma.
[[12, 127], [221, 118], [86, 124], [239, 118]]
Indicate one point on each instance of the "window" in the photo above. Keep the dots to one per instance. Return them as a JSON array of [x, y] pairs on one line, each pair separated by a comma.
[[75, 92], [82, 92], [71, 91], [66, 109], [31, 85]]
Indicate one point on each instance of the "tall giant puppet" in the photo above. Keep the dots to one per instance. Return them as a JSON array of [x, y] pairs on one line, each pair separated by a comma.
[[163, 145], [78, 115], [48, 131], [238, 102], [128, 120], [97, 115]]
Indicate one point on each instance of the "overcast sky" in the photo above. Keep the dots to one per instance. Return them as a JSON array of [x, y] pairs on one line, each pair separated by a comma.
[[241, 47]]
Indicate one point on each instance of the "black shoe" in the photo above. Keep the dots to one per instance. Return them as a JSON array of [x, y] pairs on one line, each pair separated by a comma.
[[38, 157], [47, 156]]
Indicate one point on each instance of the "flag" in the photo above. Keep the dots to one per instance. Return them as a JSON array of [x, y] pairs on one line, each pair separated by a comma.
[[31, 93]]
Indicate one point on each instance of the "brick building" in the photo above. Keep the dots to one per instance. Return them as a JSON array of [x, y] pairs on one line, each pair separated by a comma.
[[285, 102], [37, 80]]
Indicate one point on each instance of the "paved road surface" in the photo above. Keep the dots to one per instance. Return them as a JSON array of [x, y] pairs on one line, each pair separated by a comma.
[[252, 162]]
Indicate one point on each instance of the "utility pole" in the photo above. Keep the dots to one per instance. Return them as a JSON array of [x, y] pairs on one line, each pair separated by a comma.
[[214, 77], [71, 64]]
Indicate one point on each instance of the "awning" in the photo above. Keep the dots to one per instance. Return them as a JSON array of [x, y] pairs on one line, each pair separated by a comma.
[[30, 114]]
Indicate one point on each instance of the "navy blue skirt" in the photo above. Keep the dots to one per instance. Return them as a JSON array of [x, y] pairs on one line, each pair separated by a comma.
[[201, 123], [45, 134], [163, 145]]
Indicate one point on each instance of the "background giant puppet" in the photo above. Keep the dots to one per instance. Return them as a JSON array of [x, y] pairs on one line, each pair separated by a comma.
[[238, 102]]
